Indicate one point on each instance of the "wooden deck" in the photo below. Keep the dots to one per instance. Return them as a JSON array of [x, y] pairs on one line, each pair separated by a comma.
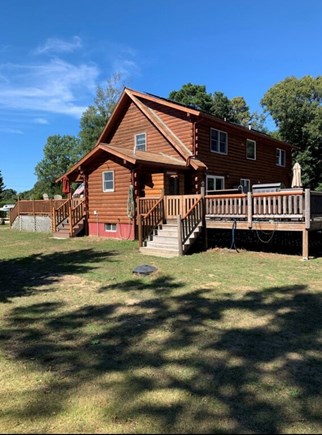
[[59, 211], [286, 210]]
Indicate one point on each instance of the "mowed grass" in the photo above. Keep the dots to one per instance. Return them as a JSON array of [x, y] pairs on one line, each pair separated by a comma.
[[216, 342]]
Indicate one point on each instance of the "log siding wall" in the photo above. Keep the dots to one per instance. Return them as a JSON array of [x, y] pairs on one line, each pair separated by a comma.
[[110, 207], [178, 122], [235, 165], [135, 122]]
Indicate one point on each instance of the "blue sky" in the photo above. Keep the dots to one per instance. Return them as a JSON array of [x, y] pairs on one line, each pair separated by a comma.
[[54, 54]]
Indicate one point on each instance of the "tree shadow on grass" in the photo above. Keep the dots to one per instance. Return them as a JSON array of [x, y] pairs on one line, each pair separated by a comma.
[[23, 276], [193, 362]]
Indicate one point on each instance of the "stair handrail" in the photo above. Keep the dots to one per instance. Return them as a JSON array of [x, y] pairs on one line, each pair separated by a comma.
[[189, 222], [147, 222], [60, 214], [77, 213]]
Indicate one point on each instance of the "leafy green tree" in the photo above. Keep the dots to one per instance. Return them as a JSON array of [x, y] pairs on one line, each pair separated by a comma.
[[8, 196], [96, 115], [240, 111], [296, 107], [221, 106], [192, 95], [60, 153]]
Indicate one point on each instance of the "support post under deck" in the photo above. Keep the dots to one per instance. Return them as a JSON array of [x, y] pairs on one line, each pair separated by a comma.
[[305, 244]]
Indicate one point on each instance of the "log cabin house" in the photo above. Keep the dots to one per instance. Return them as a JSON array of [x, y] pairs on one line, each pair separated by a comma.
[[162, 171]]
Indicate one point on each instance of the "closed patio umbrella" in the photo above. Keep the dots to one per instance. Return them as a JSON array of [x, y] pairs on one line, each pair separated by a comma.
[[296, 180]]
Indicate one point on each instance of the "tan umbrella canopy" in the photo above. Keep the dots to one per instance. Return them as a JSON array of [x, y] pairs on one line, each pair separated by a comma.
[[296, 180]]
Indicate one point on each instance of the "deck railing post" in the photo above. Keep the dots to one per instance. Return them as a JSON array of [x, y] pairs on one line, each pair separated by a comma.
[[249, 209], [307, 208], [164, 218], [70, 219], [203, 211], [140, 235], [179, 222]]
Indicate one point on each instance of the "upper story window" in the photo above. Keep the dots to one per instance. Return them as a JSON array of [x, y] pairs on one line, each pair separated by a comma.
[[108, 181], [218, 141], [280, 157], [251, 149], [140, 142]]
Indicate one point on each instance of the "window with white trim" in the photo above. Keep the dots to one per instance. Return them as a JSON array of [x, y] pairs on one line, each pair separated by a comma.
[[140, 142], [280, 157], [214, 182], [250, 149], [108, 181], [245, 182], [218, 141], [110, 228]]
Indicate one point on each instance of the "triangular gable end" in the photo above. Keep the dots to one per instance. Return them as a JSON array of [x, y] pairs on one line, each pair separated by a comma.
[[129, 96]]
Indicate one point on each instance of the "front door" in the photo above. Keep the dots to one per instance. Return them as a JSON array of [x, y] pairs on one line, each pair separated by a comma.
[[174, 184]]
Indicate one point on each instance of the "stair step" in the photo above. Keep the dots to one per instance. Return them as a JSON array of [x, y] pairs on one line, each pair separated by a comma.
[[61, 235], [162, 246], [167, 232], [169, 253], [164, 239]]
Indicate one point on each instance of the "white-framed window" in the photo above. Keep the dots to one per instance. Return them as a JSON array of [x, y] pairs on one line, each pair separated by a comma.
[[218, 141], [245, 182], [140, 142], [214, 182], [110, 228], [250, 149], [108, 181], [280, 157]]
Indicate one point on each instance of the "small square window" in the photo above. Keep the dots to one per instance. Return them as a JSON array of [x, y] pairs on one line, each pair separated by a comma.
[[110, 227], [140, 142], [251, 149], [108, 181]]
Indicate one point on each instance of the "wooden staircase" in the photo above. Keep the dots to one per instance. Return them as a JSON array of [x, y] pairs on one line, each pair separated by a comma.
[[165, 241], [69, 219], [63, 229]]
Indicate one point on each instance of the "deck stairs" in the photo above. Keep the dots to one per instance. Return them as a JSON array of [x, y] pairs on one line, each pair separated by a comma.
[[69, 219], [63, 229], [164, 241]]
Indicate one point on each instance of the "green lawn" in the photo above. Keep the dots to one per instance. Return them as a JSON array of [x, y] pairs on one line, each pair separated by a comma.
[[216, 342]]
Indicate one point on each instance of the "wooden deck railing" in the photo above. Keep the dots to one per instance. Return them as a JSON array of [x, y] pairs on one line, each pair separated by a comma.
[[149, 221], [72, 210], [189, 223], [34, 208], [179, 204], [280, 205], [316, 204], [77, 213], [60, 214], [144, 205], [234, 205], [269, 205]]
